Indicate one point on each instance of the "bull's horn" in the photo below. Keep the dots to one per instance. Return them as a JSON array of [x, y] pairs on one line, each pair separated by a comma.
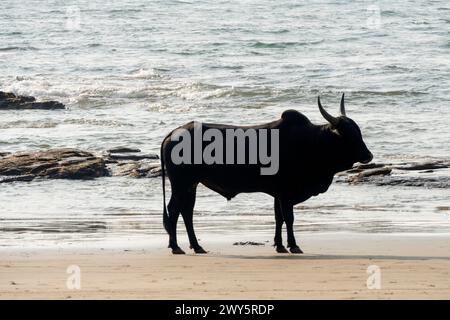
[[342, 105], [326, 115]]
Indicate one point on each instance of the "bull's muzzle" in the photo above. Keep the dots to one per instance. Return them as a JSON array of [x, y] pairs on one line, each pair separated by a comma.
[[368, 158]]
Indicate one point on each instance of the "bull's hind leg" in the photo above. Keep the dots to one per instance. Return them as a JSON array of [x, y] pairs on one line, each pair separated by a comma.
[[174, 212], [287, 210], [187, 212], [278, 241]]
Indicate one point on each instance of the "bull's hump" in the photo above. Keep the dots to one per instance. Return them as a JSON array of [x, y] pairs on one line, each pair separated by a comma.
[[294, 116]]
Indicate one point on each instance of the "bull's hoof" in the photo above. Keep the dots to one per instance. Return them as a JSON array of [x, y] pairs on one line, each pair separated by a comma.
[[177, 250], [200, 250], [282, 249], [295, 250]]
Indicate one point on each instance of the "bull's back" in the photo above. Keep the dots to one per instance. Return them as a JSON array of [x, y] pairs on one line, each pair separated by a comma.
[[224, 177], [295, 177]]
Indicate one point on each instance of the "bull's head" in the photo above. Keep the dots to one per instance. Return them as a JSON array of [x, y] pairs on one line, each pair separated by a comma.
[[350, 134]]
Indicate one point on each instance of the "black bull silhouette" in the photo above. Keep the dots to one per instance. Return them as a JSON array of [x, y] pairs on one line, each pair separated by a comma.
[[308, 157]]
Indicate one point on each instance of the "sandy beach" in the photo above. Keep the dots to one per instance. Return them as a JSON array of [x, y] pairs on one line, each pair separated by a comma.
[[354, 96], [333, 266]]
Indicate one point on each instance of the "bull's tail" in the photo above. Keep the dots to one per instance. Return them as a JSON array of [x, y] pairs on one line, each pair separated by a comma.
[[165, 212]]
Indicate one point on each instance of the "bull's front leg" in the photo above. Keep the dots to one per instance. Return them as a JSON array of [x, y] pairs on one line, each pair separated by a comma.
[[287, 210], [278, 241]]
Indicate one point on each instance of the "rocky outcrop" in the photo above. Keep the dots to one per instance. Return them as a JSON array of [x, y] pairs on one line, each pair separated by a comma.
[[442, 182], [131, 157], [429, 165], [430, 174], [130, 162], [361, 167], [64, 163], [123, 150], [69, 163], [370, 173], [121, 154], [10, 101], [137, 170]]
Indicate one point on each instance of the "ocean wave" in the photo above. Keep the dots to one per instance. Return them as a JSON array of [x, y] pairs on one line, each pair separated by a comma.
[[397, 68], [145, 74], [81, 94], [407, 158], [49, 124], [96, 122], [12, 33], [276, 45], [17, 48], [389, 93], [42, 124], [229, 67], [150, 85], [125, 10], [58, 227], [203, 91], [161, 107], [279, 31], [283, 44], [186, 90]]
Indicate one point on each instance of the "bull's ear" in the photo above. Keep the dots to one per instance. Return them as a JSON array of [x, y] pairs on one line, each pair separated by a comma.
[[332, 120]]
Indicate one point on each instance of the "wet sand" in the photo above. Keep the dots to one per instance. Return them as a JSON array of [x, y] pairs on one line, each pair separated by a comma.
[[333, 266]]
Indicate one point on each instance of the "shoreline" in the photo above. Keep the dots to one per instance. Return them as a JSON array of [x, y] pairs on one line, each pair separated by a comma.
[[217, 241], [333, 267]]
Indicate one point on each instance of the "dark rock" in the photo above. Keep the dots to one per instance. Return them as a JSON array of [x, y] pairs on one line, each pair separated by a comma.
[[64, 163], [10, 101], [368, 173], [371, 165], [129, 162], [46, 105], [136, 169], [123, 150], [27, 177], [408, 181], [155, 172], [109, 160], [127, 169], [361, 167], [4, 154], [383, 176], [432, 165], [9, 96], [132, 157]]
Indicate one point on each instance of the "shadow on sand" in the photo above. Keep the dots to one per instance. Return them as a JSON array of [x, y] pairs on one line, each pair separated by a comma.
[[327, 257]]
